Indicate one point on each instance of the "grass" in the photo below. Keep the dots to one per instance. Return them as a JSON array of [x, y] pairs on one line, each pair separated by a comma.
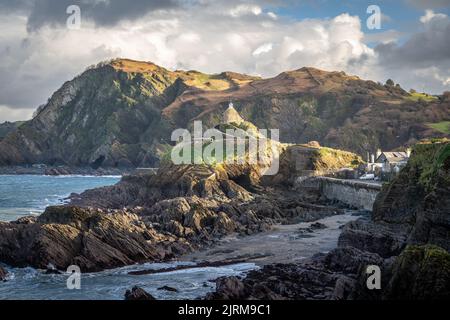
[[205, 81], [328, 159], [416, 96], [443, 126], [428, 158]]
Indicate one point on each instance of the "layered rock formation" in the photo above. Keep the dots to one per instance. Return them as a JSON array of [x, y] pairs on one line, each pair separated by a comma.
[[121, 113], [407, 238], [154, 218]]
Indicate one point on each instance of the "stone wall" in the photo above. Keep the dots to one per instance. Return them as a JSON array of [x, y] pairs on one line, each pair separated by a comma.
[[355, 193]]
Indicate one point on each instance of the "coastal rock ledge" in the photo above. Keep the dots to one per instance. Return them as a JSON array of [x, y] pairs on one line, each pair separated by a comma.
[[407, 237], [148, 218]]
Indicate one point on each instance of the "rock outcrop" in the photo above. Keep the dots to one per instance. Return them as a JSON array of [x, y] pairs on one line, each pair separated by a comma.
[[3, 274], [310, 160], [92, 239], [407, 238], [153, 218], [138, 294]]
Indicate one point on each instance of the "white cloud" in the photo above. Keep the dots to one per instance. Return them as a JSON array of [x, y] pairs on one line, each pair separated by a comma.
[[266, 47], [272, 15], [429, 15], [245, 9], [14, 114]]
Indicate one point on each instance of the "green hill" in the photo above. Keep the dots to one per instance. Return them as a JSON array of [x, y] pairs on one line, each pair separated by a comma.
[[121, 113]]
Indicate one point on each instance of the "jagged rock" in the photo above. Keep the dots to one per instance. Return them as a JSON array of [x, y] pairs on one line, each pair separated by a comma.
[[420, 272], [57, 172], [278, 282], [413, 209], [88, 238], [138, 294], [318, 226], [227, 288], [350, 260], [167, 288], [51, 269], [3, 274], [148, 218], [418, 197], [383, 239]]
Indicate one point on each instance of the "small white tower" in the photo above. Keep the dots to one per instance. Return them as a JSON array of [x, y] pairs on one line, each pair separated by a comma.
[[231, 115]]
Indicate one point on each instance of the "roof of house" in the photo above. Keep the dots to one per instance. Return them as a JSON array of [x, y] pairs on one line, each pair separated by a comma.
[[394, 157]]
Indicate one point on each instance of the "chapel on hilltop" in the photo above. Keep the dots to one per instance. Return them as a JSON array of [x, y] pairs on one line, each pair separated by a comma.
[[231, 115]]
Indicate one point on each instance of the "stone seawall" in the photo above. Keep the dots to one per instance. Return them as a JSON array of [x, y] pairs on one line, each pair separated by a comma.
[[356, 193]]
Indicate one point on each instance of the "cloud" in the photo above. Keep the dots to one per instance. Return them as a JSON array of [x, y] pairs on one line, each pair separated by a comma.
[[14, 114], [245, 9], [429, 4], [266, 47], [423, 49], [212, 37], [421, 62], [101, 12], [430, 15], [382, 37]]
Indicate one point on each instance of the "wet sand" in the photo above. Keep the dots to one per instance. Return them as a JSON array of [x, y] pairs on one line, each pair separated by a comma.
[[282, 244]]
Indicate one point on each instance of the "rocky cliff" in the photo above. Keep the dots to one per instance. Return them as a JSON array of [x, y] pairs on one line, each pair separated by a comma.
[[407, 237], [154, 217], [121, 113], [8, 127]]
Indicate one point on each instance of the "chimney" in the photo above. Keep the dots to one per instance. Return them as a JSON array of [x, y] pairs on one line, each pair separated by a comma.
[[372, 158]]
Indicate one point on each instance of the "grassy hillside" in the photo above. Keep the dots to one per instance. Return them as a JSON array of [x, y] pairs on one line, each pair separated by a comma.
[[443, 126]]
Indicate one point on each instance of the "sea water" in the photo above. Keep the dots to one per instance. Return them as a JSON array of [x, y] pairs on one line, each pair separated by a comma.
[[24, 195]]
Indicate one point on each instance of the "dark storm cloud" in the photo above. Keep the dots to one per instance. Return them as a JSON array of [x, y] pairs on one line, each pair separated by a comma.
[[15, 5], [429, 4], [101, 12], [423, 49]]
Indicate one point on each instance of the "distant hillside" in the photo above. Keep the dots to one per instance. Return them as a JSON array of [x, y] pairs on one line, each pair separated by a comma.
[[121, 113], [8, 127]]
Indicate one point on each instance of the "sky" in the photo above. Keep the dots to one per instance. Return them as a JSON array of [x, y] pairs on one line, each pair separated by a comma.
[[41, 48]]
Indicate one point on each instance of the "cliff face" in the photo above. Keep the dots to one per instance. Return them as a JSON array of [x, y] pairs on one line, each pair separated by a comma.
[[407, 237], [409, 229], [8, 127], [419, 197], [99, 118], [121, 113]]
